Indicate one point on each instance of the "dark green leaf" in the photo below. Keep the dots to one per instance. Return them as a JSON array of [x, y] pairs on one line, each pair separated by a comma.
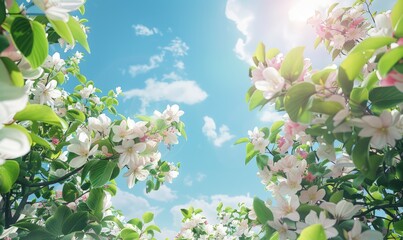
[[54, 224], [75, 222], [296, 101], [101, 172], [378, 99], [263, 213], [95, 200]]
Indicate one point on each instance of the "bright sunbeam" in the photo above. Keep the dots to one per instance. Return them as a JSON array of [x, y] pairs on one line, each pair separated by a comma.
[[302, 10]]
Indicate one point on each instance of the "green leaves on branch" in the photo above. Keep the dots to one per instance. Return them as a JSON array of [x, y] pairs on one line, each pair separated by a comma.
[[352, 66], [378, 99], [101, 172], [30, 38], [263, 213], [296, 101], [40, 113], [9, 172]]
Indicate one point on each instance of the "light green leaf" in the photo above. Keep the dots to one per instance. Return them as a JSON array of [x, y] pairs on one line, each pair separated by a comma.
[[14, 75], [260, 53], [63, 30], [30, 38], [327, 107], [250, 152], [75, 114], [41, 141], [242, 140], [78, 33], [148, 217], [101, 172], [9, 172], [293, 64], [397, 13], [257, 99], [316, 230], [153, 228], [296, 101], [129, 234], [389, 59], [272, 52], [41, 113], [263, 213]]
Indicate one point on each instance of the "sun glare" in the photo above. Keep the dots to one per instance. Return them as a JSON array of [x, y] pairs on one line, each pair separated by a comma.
[[302, 10]]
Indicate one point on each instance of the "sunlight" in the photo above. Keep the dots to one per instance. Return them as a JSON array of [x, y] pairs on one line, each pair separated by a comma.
[[303, 10]]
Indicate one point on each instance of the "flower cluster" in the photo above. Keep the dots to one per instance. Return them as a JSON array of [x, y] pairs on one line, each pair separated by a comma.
[[239, 223]]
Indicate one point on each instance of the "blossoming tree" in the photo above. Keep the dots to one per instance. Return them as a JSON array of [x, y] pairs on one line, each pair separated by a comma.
[[333, 165], [60, 152]]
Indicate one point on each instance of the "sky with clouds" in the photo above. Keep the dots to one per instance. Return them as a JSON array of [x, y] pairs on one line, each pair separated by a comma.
[[195, 54]]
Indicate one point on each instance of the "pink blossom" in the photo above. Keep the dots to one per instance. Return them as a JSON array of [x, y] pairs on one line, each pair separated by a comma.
[[257, 73], [55, 140], [310, 177], [394, 78], [400, 42]]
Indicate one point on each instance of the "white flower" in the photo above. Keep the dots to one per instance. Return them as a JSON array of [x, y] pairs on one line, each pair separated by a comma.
[[326, 151], [312, 195], [272, 83], [58, 9], [81, 145], [342, 210], [46, 94], [12, 100], [255, 134], [135, 172], [101, 124], [129, 152], [312, 218], [356, 234], [173, 173], [383, 25], [87, 91], [292, 184], [381, 130], [171, 114], [260, 144], [287, 208], [283, 230], [170, 136], [54, 62], [13, 144]]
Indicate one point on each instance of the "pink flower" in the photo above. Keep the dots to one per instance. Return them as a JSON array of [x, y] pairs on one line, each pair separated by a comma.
[[393, 78], [310, 177], [55, 140], [400, 41]]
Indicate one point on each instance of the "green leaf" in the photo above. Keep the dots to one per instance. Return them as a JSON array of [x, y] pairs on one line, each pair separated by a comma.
[[63, 30], [2, 13], [327, 107], [153, 228], [129, 234], [3, 43], [39, 234], [360, 154], [41, 113], [272, 52], [101, 172], [75, 222], [54, 224], [261, 161], [399, 28], [293, 64], [11, 74], [358, 100], [316, 230], [95, 200], [242, 140], [257, 99], [114, 219], [78, 33], [389, 59], [397, 13], [296, 101], [75, 114], [398, 225], [260, 53], [41, 141], [336, 196], [378, 99], [351, 67], [263, 213], [250, 152], [70, 192], [136, 222], [30, 38], [148, 217], [9, 172]]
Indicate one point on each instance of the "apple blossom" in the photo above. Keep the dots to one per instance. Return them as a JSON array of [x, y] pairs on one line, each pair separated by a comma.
[[342, 210], [13, 144], [312, 195], [46, 93], [58, 9], [129, 152], [312, 218], [81, 145], [356, 234], [272, 84]]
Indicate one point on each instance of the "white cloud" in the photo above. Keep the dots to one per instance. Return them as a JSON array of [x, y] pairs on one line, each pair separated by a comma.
[[209, 205], [154, 62], [142, 30], [132, 206], [209, 129], [188, 181], [163, 194], [177, 47], [179, 65], [269, 114], [177, 91], [268, 21]]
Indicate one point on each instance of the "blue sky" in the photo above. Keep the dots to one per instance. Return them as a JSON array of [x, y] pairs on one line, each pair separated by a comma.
[[195, 54]]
